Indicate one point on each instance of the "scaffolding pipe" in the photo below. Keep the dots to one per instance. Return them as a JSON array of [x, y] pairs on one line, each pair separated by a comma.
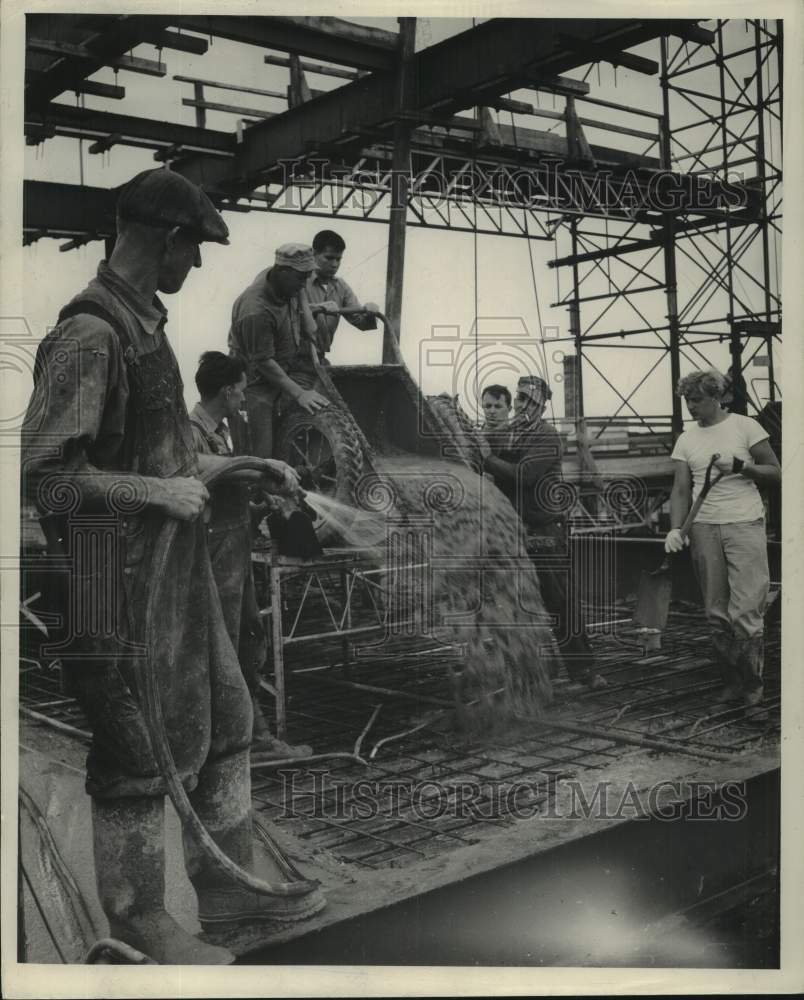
[[400, 191]]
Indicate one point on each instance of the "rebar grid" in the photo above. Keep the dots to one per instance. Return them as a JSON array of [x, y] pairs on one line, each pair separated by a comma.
[[668, 695]]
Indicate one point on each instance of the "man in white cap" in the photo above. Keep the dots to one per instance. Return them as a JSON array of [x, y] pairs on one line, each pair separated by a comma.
[[273, 331], [525, 464]]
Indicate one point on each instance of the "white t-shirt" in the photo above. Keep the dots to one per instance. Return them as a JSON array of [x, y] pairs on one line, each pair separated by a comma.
[[734, 498]]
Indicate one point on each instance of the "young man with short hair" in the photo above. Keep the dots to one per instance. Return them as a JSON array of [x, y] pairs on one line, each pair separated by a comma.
[[328, 293], [496, 403], [221, 382], [728, 542]]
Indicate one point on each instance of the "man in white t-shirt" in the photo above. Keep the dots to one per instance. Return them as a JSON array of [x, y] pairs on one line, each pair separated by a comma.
[[729, 548]]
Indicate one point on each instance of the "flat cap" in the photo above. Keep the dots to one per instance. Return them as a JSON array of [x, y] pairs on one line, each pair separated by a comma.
[[162, 197], [534, 387], [296, 255]]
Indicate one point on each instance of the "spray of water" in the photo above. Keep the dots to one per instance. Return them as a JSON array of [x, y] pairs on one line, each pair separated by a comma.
[[357, 528]]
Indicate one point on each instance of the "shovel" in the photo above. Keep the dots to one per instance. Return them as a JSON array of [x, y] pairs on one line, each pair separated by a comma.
[[655, 587]]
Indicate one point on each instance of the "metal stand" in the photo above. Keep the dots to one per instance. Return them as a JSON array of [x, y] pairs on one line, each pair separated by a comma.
[[338, 579]]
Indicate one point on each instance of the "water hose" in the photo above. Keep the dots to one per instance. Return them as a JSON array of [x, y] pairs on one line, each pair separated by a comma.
[[151, 704]]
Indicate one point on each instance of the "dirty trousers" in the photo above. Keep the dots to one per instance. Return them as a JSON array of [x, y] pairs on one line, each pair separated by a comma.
[[264, 405], [561, 595], [206, 704], [260, 404], [731, 564], [230, 553]]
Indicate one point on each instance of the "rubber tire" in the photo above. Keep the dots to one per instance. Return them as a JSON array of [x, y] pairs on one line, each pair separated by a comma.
[[462, 439], [339, 431]]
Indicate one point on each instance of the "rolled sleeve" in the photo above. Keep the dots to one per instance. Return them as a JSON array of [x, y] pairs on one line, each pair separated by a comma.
[[255, 341], [350, 301]]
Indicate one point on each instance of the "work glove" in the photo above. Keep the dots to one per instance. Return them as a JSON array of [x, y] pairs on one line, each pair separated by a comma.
[[674, 541], [730, 465]]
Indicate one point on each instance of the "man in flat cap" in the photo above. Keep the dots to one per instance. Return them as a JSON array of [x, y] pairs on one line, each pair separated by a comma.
[[273, 330], [107, 441], [526, 465]]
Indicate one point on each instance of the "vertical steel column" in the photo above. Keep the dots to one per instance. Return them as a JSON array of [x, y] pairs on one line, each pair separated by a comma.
[[763, 223], [724, 139], [669, 249], [575, 328], [400, 187], [200, 112]]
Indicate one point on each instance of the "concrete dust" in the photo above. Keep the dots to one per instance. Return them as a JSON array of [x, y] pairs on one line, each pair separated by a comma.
[[459, 573]]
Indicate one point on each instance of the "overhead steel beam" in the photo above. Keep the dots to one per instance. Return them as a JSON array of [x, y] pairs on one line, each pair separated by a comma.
[[312, 67], [315, 37], [134, 64], [180, 43], [597, 52], [488, 60], [346, 30], [694, 33], [86, 123], [94, 87], [615, 251], [70, 210], [120, 33]]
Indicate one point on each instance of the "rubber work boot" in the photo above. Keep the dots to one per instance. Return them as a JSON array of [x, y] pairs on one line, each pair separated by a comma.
[[751, 662], [129, 844], [222, 801], [724, 653]]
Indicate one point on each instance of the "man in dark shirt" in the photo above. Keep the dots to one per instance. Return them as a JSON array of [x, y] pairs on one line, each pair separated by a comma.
[[526, 466], [107, 447], [221, 381], [273, 331]]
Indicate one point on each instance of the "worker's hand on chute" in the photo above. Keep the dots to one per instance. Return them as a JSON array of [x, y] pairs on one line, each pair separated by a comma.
[[180, 497], [483, 445], [371, 307], [674, 541], [311, 401], [282, 477]]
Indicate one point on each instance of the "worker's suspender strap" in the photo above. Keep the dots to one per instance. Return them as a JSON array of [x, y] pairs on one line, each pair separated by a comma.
[[54, 526], [89, 307]]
